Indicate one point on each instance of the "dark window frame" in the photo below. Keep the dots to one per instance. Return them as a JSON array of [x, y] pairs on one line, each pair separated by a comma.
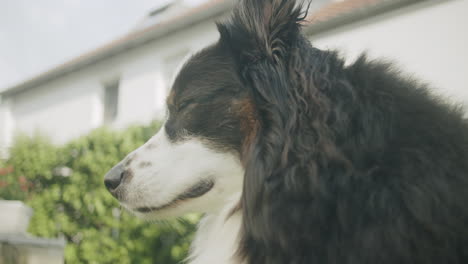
[[111, 101]]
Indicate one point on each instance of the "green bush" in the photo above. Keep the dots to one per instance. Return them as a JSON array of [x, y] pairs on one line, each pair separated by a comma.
[[79, 208]]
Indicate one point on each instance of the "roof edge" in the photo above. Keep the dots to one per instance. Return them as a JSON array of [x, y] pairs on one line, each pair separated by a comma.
[[372, 9]]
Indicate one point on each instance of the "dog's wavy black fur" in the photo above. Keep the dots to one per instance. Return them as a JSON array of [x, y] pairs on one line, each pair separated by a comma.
[[345, 164]]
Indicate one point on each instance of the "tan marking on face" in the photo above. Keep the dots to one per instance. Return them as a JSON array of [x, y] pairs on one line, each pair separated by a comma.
[[170, 98], [249, 123]]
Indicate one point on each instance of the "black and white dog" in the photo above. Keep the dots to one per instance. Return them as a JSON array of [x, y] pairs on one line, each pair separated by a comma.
[[296, 158]]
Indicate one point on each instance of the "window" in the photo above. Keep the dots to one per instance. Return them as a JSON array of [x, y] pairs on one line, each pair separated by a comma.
[[111, 101]]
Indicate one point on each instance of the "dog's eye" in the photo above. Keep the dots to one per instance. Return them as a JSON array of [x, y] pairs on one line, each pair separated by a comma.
[[190, 103], [184, 105]]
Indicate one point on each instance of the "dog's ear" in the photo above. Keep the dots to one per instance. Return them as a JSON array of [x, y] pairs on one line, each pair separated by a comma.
[[262, 30], [262, 37]]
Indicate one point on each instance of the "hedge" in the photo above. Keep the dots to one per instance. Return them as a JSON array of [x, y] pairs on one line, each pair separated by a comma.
[[78, 207]]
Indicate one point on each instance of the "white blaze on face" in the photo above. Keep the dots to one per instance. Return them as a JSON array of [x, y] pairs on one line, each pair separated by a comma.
[[162, 171]]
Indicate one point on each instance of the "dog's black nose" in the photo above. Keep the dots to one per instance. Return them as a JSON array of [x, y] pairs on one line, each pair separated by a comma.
[[114, 177]]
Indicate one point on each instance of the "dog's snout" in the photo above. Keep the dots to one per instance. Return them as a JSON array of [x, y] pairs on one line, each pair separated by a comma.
[[114, 178]]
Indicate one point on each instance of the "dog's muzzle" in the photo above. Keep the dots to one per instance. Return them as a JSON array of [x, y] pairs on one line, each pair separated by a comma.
[[114, 179]]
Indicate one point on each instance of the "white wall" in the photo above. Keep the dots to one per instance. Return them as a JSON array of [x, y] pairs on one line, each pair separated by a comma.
[[428, 40], [71, 106], [62, 109]]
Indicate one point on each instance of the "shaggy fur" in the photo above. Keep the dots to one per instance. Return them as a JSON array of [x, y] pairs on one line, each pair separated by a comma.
[[348, 164], [342, 164]]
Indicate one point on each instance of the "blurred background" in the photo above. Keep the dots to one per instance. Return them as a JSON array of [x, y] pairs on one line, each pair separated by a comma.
[[83, 83]]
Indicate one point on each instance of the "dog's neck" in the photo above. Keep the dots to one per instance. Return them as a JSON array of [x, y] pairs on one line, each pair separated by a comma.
[[217, 237]]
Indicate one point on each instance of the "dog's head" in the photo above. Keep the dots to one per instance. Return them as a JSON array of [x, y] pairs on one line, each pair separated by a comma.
[[193, 162], [228, 114]]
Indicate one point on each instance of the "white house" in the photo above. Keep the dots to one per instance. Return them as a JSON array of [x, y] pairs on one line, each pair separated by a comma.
[[126, 81]]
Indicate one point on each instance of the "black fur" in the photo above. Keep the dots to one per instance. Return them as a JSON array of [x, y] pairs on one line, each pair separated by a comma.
[[349, 164], [343, 164]]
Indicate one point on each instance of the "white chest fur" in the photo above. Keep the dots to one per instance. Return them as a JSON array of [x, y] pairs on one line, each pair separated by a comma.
[[217, 239]]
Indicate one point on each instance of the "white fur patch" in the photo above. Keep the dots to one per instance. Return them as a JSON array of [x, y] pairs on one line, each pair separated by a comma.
[[217, 237], [162, 170]]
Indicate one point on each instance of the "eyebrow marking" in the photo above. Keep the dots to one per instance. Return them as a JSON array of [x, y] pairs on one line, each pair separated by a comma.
[[170, 98]]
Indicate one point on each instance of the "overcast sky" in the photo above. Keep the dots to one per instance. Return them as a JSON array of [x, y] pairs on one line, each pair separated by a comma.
[[36, 35]]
